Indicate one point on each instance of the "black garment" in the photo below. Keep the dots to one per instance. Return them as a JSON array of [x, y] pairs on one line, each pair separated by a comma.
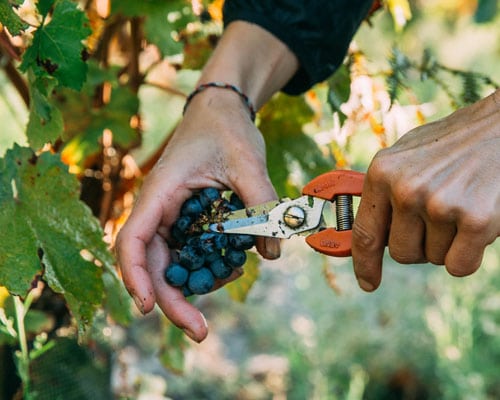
[[317, 31]]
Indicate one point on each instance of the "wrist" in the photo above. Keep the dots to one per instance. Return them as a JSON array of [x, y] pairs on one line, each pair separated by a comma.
[[224, 86], [217, 104], [252, 59]]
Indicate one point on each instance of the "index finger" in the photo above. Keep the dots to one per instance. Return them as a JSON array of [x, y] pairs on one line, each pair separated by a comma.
[[369, 235], [131, 245]]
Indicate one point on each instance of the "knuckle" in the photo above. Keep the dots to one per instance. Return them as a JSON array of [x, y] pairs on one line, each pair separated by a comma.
[[407, 194], [380, 168], [475, 222], [439, 208]]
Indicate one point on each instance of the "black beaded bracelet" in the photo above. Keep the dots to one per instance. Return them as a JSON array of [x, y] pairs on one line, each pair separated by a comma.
[[222, 85]]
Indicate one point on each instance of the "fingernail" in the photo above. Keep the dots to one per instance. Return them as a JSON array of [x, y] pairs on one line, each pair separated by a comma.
[[192, 335], [365, 285], [204, 321], [138, 304], [273, 249]]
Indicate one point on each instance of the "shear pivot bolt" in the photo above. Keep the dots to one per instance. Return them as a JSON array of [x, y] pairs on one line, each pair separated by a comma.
[[294, 217]]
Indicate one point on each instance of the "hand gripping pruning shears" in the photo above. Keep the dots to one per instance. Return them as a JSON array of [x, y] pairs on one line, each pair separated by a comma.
[[304, 215]]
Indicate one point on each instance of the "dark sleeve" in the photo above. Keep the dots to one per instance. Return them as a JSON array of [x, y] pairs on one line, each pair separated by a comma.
[[317, 31]]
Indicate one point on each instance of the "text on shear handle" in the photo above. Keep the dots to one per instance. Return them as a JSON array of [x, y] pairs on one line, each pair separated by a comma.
[[330, 243]]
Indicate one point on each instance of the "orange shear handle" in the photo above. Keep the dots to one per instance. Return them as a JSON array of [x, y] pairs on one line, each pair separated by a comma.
[[331, 241]]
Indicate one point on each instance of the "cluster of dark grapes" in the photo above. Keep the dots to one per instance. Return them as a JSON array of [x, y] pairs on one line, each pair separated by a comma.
[[203, 256]]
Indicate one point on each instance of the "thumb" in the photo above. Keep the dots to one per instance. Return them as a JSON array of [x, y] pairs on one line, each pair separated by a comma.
[[255, 194]]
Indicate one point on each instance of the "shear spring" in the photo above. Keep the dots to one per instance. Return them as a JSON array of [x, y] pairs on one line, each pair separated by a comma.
[[344, 213]]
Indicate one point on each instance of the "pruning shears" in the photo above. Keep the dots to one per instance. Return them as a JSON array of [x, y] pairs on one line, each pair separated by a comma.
[[304, 215]]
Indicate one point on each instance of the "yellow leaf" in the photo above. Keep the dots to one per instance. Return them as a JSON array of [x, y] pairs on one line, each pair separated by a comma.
[[376, 126], [420, 116], [4, 293], [400, 11], [72, 155], [340, 159], [215, 10], [239, 289]]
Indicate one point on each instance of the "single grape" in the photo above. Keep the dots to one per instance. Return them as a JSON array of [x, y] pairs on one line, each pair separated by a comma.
[[179, 236], [176, 275], [236, 201], [209, 257], [220, 269], [183, 223], [235, 258], [193, 241], [191, 257], [241, 241], [201, 281], [179, 229], [186, 291], [226, 205], [208, 196], [192, 207], [220, 241], [207, 242]]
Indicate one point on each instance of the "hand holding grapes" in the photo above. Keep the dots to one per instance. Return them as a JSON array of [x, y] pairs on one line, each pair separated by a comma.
[[227, 152], [216, 145]]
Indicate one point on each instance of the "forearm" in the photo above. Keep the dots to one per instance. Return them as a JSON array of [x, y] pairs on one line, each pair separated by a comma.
[[252, 59]]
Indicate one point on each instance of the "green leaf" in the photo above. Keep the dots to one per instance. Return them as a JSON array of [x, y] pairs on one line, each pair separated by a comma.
[[339, 90], [133, 8], [486, 11], [289, 149], [10, 19], [159, 32], [116, 115], [84, 124], [45, 122], [48, 230], [57, 46], [117, 300], [238, 289], [44, 7], [162, 20]]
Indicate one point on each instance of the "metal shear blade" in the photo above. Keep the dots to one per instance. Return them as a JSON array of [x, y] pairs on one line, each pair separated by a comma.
[[275, 219]]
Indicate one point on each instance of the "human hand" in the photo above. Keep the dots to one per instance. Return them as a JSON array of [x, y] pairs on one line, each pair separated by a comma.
[[224, 152], [215, 145], [434, 196]]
